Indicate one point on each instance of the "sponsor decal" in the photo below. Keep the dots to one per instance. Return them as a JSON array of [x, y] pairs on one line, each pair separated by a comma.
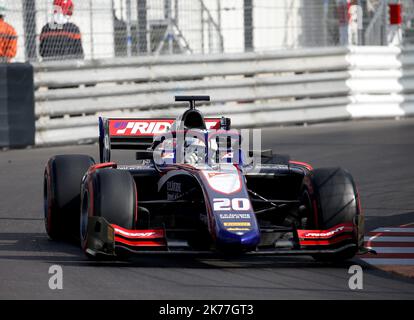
[[212, 123], [234, 216], [173, 186], [213, 174], [167, 155], [173, 190], [135, 167], [171, 196], [138, 127], [147, 127], [237, 229], [136, 234], [324, 234], [237, 224], [147, 234], [225, 182], [235, 204]]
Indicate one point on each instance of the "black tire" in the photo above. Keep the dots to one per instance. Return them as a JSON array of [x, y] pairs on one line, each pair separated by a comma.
[[110, 194], [61, 193], [335, 194]]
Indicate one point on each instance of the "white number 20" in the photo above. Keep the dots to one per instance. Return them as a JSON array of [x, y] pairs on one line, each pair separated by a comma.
[[236, 204]]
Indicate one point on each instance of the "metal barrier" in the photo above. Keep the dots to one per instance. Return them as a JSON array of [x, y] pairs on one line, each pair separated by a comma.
[[381, 82], [291, 86]]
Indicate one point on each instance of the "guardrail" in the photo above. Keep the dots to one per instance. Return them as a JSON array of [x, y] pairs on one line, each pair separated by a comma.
[[293, 86]]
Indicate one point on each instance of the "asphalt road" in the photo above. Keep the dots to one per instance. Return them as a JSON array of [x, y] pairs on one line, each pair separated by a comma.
[[378, 153]]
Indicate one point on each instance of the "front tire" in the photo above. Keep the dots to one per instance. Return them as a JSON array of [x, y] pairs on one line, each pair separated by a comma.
[[110, 194], [61, 192], [331, 198]]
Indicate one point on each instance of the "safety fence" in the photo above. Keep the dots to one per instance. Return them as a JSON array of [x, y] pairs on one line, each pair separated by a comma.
[[124, 28], [255, 90]]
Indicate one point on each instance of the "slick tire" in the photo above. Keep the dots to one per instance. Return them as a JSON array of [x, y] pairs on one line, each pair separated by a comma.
[[61, 193], [333, 192], [110, 194]]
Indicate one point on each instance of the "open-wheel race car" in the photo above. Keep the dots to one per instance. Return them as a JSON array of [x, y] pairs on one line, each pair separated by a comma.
[[193, 188]]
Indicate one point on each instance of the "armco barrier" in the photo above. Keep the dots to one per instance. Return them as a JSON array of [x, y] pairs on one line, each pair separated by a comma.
[[292, 86]]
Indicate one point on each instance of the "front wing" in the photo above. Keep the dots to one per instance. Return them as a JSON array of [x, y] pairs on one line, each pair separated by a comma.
[[105, 239]]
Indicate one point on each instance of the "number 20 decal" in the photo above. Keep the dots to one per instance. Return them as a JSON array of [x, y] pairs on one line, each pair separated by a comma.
[[236, 204]]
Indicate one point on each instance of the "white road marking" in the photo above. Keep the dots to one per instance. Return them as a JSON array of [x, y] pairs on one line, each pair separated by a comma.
[[389, 239], [390, 246], [393, 249], [383, 261], [402, 230]]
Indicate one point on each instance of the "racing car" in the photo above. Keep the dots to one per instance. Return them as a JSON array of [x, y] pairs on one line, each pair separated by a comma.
[[192, 188]]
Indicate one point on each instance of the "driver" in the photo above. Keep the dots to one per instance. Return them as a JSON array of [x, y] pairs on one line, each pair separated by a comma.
[[192, 148], [195, 149]]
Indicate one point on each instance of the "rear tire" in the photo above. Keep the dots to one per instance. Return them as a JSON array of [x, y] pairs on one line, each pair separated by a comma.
[[334, 192], [110, 194], [61, 193]]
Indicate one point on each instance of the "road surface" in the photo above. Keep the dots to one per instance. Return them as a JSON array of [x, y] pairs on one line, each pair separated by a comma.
[[378, 153]]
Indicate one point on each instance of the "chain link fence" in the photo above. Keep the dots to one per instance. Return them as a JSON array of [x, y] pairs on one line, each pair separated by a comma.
[[114, 28], [123, 28]]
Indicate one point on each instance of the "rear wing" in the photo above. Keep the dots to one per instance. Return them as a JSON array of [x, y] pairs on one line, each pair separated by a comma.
[[134, 134]]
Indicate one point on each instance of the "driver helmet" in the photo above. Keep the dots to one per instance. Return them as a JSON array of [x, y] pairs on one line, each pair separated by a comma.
[[195, 148]]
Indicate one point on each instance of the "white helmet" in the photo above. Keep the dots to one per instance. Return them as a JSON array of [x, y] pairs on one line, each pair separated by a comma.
[[194, 150]]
